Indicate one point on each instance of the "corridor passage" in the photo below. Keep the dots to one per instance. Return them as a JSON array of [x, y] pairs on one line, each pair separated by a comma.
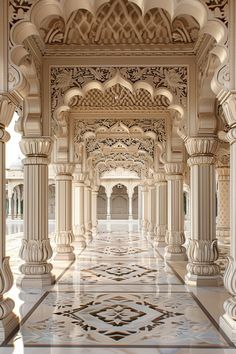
[[120, 294]]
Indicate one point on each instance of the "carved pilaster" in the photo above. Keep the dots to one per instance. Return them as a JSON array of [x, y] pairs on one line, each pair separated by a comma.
[[64, 232], [161, 210], [151, 211], [175, 233], [202, 250], [36, 248]]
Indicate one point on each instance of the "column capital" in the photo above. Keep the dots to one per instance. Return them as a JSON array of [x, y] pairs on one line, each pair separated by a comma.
[[36, 146], [78, 177], [223, 172], [174, 168], [95, 189], [7, 109], [160, 178], [62, 169], [229, 108], [202, 146]]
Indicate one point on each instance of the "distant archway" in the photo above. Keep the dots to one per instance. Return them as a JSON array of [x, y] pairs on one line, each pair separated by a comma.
[[119, 202]]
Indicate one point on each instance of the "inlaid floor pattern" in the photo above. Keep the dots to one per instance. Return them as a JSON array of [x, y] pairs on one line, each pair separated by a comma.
[[120, 293]]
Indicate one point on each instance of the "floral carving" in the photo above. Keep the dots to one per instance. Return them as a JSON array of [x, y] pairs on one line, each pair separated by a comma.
[[174, 79], [120, 22], [219, 9], [18, 10]]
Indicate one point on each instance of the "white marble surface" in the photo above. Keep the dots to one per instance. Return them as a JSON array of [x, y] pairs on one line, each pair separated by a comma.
[[119, 284]]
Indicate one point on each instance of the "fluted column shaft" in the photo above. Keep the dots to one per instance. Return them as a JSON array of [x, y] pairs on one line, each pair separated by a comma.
[[10, 206], [78, 213], [36, 248], [19, 206], [223, 215], [15, 205], [130, 205], [108, 206], [64, 231], [94, 210], [151, 211], [161, 210], [202, 250], [87, 214], [228, 320], [144, 193], [139, 208], [175, 232]]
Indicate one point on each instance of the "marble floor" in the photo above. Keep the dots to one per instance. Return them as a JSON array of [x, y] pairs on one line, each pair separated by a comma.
[[119, 296]]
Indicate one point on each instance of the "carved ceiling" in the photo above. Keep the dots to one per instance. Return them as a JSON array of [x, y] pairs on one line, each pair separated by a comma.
[[120, 23], [116, 26], [125, 143]]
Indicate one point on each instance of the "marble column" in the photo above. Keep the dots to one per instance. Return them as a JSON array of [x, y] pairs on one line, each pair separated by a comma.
[[36, 248], [10, 206], [108, 205], [64, 231], [8, 320], [130, 195], [78, 212], [175, 238], [151, 211], [139, 208], [202, 250], [19, 205], [228, 320], [223, 215], [15, 205], [95, 190], [144, 192], [87, 213], [161, 210]]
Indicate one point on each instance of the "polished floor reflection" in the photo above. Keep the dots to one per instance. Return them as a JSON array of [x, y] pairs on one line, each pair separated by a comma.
[[120, 295]]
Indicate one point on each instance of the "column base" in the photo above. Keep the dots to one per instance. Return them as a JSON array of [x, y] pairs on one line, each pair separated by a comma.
[[80, 242], [160, 243], [64, 257], [88, 236], [228, 325], [175, 257], [35, 281], [8, 325], [200, 280]]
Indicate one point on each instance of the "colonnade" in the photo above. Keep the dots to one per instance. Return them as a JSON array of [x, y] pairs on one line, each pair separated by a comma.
[[14, 202], [162, 214]]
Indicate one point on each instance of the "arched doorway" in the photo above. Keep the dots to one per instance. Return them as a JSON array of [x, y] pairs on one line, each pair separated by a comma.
[[102, 204], [119, 202]]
